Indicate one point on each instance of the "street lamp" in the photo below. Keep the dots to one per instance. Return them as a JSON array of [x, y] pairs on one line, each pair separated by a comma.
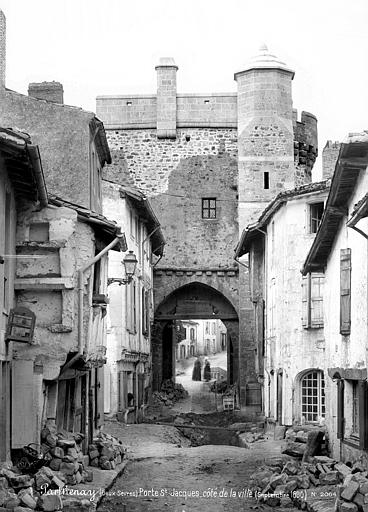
[[130, 263]]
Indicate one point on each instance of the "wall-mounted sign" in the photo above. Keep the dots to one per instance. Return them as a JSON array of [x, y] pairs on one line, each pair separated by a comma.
[[21, 324]]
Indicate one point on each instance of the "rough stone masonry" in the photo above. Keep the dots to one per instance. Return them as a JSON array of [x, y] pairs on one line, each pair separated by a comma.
[[237, 149]]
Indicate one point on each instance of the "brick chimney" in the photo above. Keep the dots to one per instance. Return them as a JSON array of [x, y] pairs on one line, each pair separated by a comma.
[[2, 48], [49, 91]]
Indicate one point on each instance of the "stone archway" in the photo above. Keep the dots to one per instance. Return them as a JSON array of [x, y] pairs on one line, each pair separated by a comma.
[[194, 300]]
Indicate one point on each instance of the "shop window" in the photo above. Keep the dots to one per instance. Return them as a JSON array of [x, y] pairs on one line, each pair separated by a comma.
[[209, 210], [312, 300], [313, 396], [315, 216]]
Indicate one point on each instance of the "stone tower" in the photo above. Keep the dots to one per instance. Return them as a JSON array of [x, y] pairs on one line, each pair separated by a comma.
[[265, 133], [207, 161], [273, 150]]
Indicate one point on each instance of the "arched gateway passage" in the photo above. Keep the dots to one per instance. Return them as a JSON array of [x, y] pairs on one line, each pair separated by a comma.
[[192, 301]]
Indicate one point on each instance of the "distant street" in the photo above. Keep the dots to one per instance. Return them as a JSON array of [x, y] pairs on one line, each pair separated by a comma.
[[201, 399]]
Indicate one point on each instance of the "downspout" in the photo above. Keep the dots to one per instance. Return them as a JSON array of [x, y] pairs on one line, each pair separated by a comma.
[[81, 272], [34, 155]]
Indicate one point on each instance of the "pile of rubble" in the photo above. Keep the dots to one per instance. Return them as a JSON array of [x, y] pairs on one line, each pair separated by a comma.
[[24, 489], [42, 491], [353, 493], [303, 441], [248, 433], [286, 482], [169, 394], [106, 452], [63, 452]]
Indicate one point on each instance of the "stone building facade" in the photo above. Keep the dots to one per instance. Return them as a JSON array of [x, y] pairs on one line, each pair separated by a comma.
[[130, 313], [21, 185], [288, 310], [209, 163], [61, 264], [61, 276], [340, 251]]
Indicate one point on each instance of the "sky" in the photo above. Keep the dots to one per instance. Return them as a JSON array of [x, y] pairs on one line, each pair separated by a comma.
[[111, 47]]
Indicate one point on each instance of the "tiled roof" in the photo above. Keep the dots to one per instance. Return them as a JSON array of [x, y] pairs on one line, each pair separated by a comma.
[[252, 230], [23, 164], [105, 228]]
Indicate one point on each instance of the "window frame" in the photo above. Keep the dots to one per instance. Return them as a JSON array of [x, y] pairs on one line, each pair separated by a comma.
[[207, 208], [345, 291], [315, 218], [354, 438], [318, 408], [311, 302]]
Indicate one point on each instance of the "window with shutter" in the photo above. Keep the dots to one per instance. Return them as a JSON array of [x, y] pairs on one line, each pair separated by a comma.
[[131, 308], [345, 291], [134, 308], [316, 300], [305, 301], [272, 309], [312, 300], [128, 308]]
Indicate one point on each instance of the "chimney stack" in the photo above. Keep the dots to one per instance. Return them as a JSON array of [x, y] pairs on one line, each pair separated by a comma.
[[166, 98], [49, 91], [330, 156], [2, 48]]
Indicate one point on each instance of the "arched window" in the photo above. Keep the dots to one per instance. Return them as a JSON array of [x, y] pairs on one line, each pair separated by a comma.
[[313, 396]]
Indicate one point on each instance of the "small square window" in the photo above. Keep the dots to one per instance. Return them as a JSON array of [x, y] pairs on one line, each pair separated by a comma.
[[209, 208], [315, 216]]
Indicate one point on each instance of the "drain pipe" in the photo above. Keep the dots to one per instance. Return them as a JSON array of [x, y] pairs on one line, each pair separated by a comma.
[[81, 272], [34, 154]]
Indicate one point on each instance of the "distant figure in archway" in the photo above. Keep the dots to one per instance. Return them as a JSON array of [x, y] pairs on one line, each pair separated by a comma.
[[197, 369], [207, 371]]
